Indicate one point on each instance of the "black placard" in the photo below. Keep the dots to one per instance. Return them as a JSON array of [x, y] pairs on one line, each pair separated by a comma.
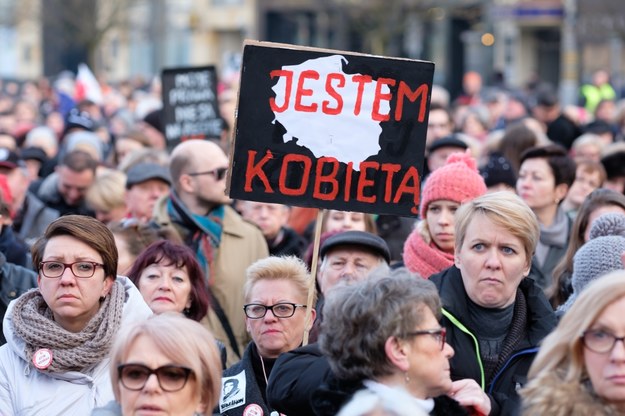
[[190, 107], [330, 129]]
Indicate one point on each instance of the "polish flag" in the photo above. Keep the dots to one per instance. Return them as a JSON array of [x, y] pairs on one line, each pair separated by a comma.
[[87, 86]]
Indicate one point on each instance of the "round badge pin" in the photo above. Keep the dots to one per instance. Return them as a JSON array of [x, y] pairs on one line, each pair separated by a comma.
[[42, 358], [253, 410]]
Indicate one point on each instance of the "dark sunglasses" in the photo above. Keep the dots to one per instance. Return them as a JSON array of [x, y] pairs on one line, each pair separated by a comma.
[[170, 377], [218, 173]]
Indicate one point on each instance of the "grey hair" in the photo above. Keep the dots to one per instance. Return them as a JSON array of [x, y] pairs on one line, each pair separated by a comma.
[[359, 318]]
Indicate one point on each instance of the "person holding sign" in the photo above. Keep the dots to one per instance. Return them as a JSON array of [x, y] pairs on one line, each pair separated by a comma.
[[275, 308], [225, 244], [429, 249]]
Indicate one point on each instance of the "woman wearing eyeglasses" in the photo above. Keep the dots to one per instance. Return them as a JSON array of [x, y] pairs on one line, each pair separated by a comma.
[[382, 335], [580, 369], [165, 365], [275, 308], [59, 335], [495, 316]]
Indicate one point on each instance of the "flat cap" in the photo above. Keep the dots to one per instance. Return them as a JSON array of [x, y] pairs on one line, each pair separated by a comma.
[[142, 172], [363, 239]]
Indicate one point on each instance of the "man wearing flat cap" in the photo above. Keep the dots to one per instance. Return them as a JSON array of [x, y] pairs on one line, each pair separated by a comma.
[[348, 257], [145, 184]]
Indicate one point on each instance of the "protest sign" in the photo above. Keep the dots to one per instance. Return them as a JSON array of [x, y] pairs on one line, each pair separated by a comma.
[[190, 107], [330, 129]]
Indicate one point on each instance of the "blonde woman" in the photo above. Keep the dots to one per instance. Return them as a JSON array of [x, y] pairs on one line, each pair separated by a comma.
[[581, 365]]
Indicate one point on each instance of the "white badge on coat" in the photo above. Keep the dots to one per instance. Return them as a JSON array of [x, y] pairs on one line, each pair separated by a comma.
[[253, 410], [42, 358], [232, 392]]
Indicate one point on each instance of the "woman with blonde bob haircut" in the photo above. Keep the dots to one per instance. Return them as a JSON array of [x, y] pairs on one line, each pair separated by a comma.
[[494, 315], [505, 210], [275, 296], [183, 356], [581, 365]]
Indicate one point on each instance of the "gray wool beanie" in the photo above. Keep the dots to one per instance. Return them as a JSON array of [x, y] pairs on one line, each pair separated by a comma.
[[599, 255], [612, 223], [594, 259]]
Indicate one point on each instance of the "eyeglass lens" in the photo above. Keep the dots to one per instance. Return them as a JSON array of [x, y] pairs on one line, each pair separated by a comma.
[[170, 377]]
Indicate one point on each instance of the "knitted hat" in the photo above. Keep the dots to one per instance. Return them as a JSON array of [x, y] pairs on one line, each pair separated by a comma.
[[498, 170], [599, 255], [458, 180], [611, 223]]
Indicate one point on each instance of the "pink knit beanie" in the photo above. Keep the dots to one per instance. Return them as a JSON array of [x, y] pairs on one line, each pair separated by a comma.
[[458, 180]]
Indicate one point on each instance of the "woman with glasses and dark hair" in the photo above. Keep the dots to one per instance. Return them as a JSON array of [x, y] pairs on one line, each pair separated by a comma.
[[59, 335], [275, 296], [495, 316], [580, 369], [170, 279], [382, 335], [166, 364]]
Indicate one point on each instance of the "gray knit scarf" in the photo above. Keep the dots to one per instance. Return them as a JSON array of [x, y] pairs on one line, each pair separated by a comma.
[[71, 351]]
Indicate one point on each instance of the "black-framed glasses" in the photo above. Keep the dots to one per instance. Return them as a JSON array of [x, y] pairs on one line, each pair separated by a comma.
[[218, 173], [439, 334], [82, 269], [279, 310], [170, 377], [600, 341]]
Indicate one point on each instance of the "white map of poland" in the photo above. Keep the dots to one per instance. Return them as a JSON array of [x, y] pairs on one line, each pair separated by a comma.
[[346, 137]]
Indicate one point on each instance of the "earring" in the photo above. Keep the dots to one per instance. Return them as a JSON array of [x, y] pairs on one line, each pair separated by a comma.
[[407, 378]]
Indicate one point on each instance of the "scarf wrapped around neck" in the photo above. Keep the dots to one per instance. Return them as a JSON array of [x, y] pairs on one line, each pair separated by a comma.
[[205, 232], [33, 322], [425, 259]]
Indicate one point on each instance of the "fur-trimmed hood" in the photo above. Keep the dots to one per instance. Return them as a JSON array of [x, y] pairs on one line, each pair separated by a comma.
[[551, 395]]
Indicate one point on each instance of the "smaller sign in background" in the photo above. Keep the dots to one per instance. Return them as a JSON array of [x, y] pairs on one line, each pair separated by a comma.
[[190, 107]]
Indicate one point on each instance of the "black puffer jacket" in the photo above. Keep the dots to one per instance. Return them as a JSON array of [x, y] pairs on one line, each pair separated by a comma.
[[466, 362], [302, 384]]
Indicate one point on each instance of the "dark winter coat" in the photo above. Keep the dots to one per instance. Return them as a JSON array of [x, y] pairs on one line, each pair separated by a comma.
[[14, 280], [467, 362], [241, 401], [302, 384]]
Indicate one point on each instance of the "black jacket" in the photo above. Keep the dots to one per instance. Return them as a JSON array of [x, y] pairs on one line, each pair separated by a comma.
[[466, 362], [14, 280], [302, 384], [289, 244], [236, 403]]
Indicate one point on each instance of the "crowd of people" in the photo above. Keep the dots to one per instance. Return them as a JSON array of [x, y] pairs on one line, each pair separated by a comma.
[[123, 258]]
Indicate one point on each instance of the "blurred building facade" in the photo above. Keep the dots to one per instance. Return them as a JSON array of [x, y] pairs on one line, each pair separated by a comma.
[[511, 41]]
